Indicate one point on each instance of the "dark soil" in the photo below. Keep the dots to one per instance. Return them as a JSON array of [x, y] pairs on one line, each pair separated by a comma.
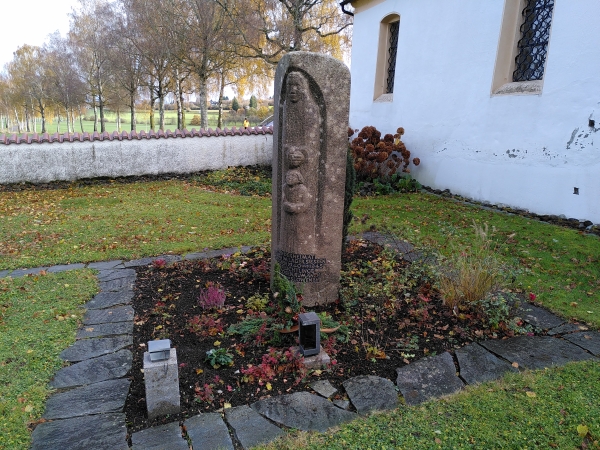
[[384, 333]]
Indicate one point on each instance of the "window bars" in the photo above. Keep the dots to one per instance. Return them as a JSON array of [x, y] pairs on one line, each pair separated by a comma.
[[533, 45], [391, 70]]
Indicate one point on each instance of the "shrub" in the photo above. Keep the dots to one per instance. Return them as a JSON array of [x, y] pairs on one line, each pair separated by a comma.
[[195, 120], [211, 297], [257, 302], [376, 158]]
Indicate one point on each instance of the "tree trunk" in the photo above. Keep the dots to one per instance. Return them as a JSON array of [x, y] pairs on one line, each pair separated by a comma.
[[181, 101], [202, 99], [95, 113], [161, 111], [27, 120], [18, 123], [43, 114], [132, 108], [101, 107], [81, 121], [178, 100], [221, 92], [152, 100]]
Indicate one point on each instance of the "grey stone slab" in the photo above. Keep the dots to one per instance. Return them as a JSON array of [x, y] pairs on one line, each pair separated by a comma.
[[107, 367], [5, 273], [23, 272], [105, 300], [162, 437], [117, 314], [208, 432], [250, 428], [567, 328], [119, 284], [92, 348], [428, 378], [477, 365], [97, 398], [194, 256], [98, 432], [324, 388], [65, 268], [344, 404], [536, 352], [589, 340], [538, 317], [303, 411], [105, 330], [115, 274], [139, 262], [106, 265], [369, 393]]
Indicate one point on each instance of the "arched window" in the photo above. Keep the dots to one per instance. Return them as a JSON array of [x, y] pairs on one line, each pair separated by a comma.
[[386, 58]]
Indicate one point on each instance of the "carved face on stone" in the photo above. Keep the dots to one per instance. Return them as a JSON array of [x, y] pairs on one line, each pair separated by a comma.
[[296, 157], [297, 88]]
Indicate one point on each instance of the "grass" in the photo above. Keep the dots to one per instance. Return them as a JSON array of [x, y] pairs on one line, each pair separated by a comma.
[[105, 222], [541, 409], [101, 222], [38, 319]]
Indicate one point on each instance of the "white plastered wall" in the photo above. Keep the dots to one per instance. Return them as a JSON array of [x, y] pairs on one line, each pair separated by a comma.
[[40, 163], [527, 151]]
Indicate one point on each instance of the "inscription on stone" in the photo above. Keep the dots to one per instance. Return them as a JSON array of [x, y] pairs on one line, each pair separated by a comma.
[[300, 268]]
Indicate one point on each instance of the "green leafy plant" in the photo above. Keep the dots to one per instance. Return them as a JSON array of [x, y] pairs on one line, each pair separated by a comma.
[[251, 328], [350, 188], [258, 302], [218, 357], [286, 295]]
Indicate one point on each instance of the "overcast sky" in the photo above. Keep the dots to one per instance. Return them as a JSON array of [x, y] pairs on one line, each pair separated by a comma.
[[30, 22]]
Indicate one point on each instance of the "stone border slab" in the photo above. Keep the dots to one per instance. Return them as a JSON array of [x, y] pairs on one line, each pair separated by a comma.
[[208, 432], [107, 367], [428, 378], [92, 348], [65, 268], [105, 330], [589, 340], [109, 299], [118, 314], [100, 432], [477, 365], [539, 317], [160, 438], [370, 393], [251, 428], [567, 328]]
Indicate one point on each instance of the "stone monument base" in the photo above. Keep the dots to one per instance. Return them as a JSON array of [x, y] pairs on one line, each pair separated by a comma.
[[319, 361], [162, 385]]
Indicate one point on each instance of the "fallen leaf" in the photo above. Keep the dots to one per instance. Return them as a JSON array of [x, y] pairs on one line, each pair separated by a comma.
[[199, 371], [217, 343], [438, 441], [269, 387], [28, 408], [582, 430], [515, 364], [530, 394], [226, 405]]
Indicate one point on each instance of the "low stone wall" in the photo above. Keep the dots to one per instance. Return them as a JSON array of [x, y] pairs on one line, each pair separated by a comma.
[[44, 158]]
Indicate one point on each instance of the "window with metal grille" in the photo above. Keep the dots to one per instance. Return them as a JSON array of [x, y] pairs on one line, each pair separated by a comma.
[[533, 45], [391, 61]]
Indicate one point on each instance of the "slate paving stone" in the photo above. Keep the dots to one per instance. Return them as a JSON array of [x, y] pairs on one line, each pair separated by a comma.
[[139, 262], [115, 274], [117, 314], [5, 273], [97, 398], [567, 328], [127, 283], [250, 428], [99, 432], [107, 367], [303, 411], [92, 348], [477, 365], [162, 437], [324, 388], [589, 340], [65, 268], [369, 393], [538, 317], [106, 265], [23, 272], [536, 352], [344, 404], [208, 432], [105, 330], [428, 378], [105, 300]]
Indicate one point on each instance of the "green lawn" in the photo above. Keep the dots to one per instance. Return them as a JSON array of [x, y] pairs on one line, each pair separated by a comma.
[[127, 221]]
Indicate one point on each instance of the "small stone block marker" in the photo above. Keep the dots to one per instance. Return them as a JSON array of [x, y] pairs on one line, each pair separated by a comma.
[[369, 393], [477, 365], [537, 352], [162, 385], [159, 438], [208, 432], [98, 432], [318, 361], [303, 411], [428, 378], [310, 144], [97, 398], [250, 428]]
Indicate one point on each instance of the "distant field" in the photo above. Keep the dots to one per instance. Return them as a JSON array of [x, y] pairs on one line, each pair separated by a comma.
[[143, 122]]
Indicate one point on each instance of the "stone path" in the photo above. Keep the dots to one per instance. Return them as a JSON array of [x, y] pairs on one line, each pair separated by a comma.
[[86, 410]]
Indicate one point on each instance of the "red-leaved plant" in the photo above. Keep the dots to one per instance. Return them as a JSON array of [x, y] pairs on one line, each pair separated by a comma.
[[213, 297]]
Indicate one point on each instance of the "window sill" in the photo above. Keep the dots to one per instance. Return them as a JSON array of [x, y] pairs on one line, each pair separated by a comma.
[[384, 98], [520, 88]]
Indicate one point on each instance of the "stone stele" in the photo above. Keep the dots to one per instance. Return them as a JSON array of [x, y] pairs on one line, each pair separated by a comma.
[[310, 142]]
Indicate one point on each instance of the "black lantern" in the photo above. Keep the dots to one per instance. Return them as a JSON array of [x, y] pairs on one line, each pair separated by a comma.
[[309, 331]]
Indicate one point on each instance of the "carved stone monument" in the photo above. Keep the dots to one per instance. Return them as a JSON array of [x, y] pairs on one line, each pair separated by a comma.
[[310, 141]]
